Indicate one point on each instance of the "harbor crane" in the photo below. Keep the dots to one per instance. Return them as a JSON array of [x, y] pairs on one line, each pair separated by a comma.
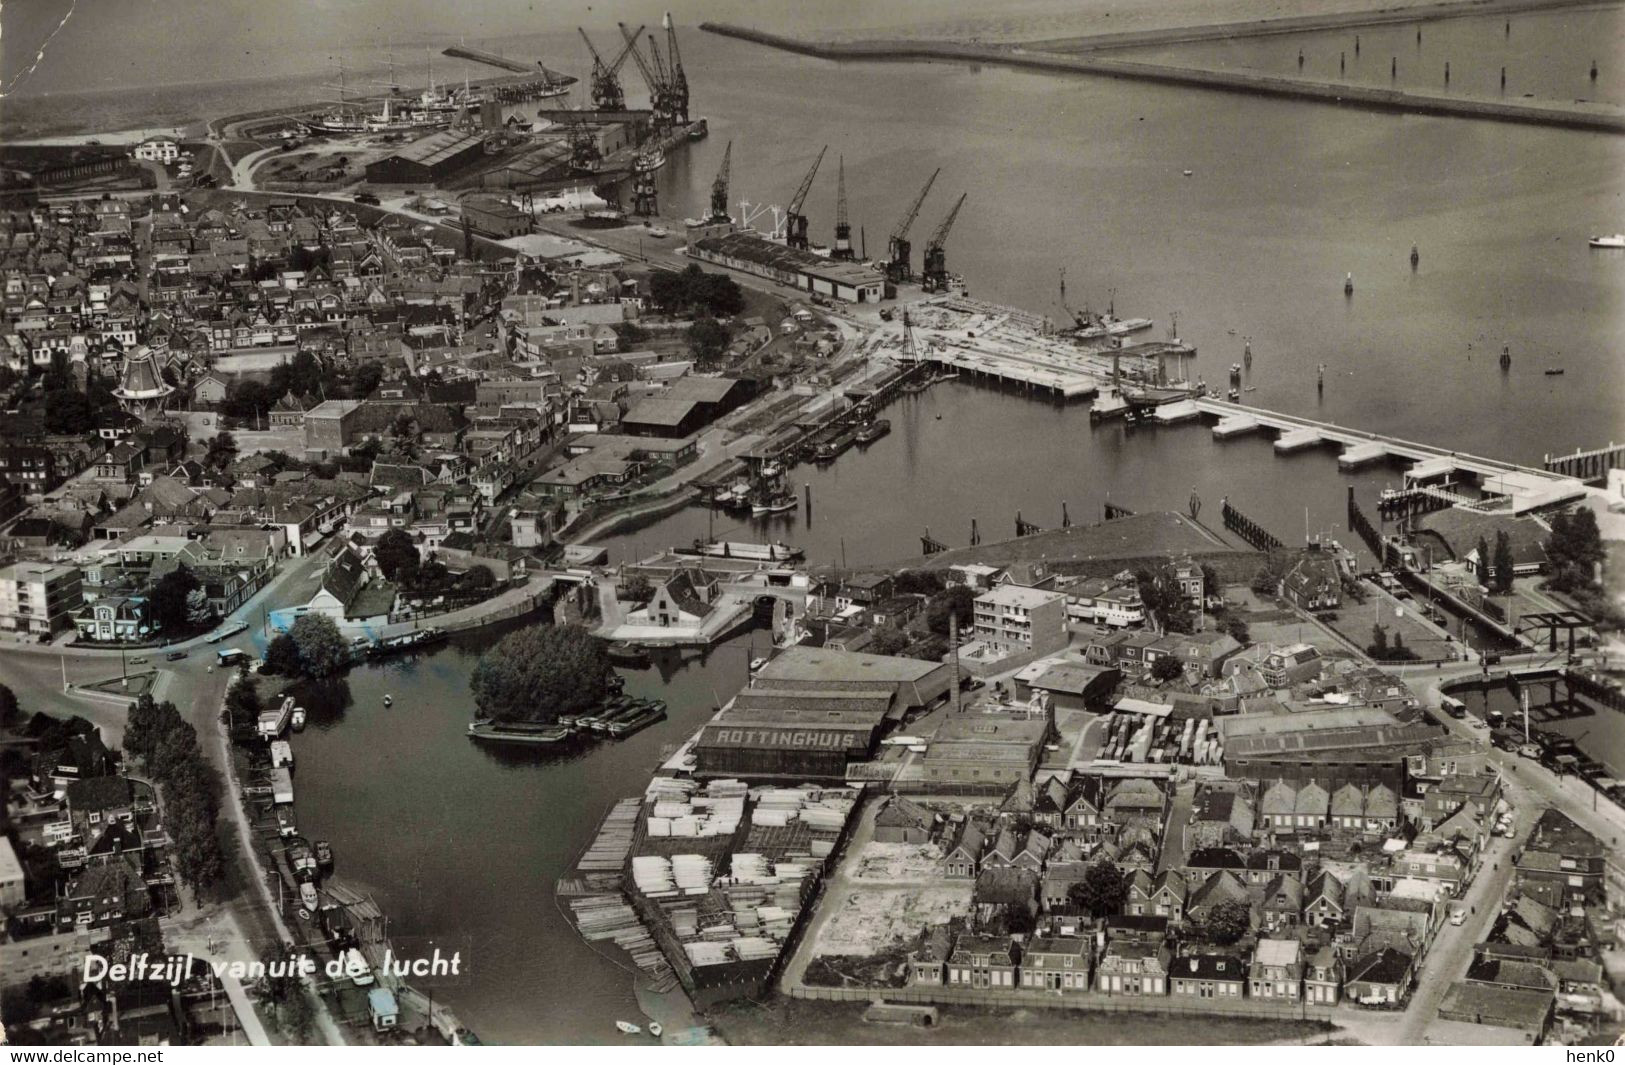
[[678, 81], [934, 269], [607, 94], [719, 188], [842, 248], [1081, 319], [898, 249], [653, 76], [795, 228]]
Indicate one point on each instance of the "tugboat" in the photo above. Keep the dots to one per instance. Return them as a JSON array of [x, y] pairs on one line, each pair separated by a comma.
[[1554, 371], [777, 504], [871, 431], [1616, 240]]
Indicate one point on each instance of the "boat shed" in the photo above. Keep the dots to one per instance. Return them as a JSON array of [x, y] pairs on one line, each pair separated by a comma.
[[427, 159], [685, 406]]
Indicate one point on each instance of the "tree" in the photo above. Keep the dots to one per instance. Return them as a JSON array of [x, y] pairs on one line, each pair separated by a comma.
[[141, 729], [920, 582], [1503, 562], [958, 601], [9, 710], [198, 610], [707, 340], [68, 412], [1166, 668], [1101, 892], [478, 578], [1226, 922], [168, 600], [281, 656], [888, 640], [628, 335], [1164, 599], [243, 707], [397, 556], [1486, 564], [1379, 642], [637, 589], [322, 651], [1267, 581], [1237, 628], [1575, 549], [222, 450], [537, 673]]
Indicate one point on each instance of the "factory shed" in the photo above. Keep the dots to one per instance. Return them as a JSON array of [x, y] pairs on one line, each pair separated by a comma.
[[427, 159], [495, 218], [752, 254], [914, 684]]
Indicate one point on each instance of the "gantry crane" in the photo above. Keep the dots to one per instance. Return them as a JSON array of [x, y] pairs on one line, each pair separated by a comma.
[[607, 94], [719, 188], [795, 223], [934, 270], [898, 249], [842, 248]]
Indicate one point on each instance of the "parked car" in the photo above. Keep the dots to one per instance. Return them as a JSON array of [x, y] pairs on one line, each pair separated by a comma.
[[367, 198], [175, 656]]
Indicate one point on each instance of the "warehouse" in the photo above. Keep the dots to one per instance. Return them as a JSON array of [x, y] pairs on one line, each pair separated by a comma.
[[984, 752], [912, 683], [686, 406], [1069, 685], [786, 744], [495, 218], [428, 159], [1356, 744], [753, 254]]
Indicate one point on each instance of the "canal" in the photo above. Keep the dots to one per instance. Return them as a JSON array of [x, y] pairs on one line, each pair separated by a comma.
[[1554, 707]]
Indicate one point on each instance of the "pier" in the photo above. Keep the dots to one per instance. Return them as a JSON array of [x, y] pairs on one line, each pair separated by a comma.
[[1524, 487], [1077, 58], [1590, 465]]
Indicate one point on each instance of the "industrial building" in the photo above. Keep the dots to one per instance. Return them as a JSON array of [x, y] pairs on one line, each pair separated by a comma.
[[913, 684], [495, 218], [753, 254], [1353, 744], [428, 159], [685, 406], [984, 752]]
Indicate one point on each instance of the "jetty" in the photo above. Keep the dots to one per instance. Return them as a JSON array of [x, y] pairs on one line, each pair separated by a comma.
[[1523, 488], [1587, 115]]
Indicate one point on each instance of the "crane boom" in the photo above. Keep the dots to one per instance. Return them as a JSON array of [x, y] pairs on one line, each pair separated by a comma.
[[901, 231], [940, 237], [795, 223], [898, 247], [719, 187], [650, 78], [842, 248], [679, 80]]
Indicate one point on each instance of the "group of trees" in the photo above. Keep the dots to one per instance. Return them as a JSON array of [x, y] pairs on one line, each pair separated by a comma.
[[178, 604], [166, 745], [304, 375], [1385, 650], [694, 292], [1165, 600], [1575, 550], [540, 672], [707, 340], [1495, 567], [399, 562], [69, 409], [312, 647], [1101, 892], [222, 450]]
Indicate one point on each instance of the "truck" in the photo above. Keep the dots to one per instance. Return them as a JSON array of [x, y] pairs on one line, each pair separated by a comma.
[[227, 631]]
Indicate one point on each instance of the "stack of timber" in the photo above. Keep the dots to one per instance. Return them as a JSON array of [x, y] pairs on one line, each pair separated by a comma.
[[608, 917], [608, 850]]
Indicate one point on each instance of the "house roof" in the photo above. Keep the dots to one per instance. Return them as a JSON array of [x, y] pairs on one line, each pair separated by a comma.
[[1385, 966], [1278, 952]]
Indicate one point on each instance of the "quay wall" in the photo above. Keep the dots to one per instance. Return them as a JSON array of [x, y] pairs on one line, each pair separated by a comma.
[[1363, 96], [1090, 1001]]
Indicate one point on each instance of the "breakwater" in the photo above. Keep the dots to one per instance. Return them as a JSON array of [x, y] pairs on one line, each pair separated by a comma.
[[1593, 117]]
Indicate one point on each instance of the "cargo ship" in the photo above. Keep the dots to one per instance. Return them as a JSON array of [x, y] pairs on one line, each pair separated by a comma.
[[831, 449], [871, 431], [779, 552]]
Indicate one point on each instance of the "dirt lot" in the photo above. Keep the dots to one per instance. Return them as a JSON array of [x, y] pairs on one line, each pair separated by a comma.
[[871, 919], [897, 862]]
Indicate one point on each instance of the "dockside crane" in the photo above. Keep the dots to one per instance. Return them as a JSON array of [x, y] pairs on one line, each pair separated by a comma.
[[654, 76], [678, 80], [795, 223], [934, 270], [607, 94], [898, 249], [719, 188], [842, 248]]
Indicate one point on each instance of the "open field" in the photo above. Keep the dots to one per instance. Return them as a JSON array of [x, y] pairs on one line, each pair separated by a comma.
[[897, 862]]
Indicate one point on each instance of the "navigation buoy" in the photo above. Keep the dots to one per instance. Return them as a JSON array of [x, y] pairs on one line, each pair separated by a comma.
[[1416, 256], [1348, 285]]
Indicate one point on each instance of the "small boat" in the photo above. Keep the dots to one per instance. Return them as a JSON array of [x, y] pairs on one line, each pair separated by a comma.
[[871, 431], [756, 664], [389, 700], [628, 1027], [648, 162], [1554, 371], [778, 504], [1188, 173], [324, 854], [655, 1029], [1348, 285], [1616, 240], [297, 719]]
